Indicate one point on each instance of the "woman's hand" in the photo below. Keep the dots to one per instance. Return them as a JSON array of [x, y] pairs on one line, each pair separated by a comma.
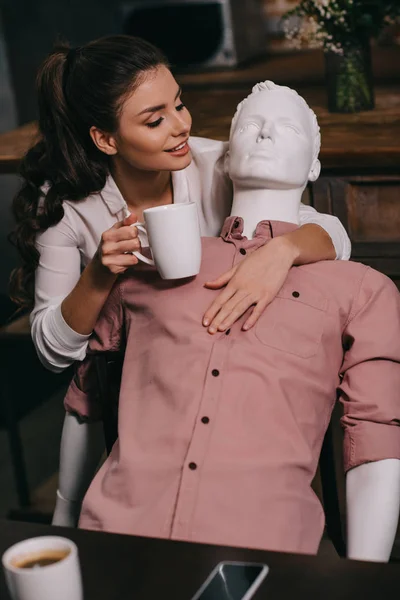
[[116, 246], [81, 308], [255, 281]]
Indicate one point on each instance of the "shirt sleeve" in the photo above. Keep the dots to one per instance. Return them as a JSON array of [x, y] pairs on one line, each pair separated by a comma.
[[370, 376], [59, 269], [332, 226], [82, 397]]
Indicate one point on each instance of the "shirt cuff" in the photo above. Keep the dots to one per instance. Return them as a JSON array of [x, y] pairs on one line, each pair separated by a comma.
[[60, 330], [369, 442], [86, 405]]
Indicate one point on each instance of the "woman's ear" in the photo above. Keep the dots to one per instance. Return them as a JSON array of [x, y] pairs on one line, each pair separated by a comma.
[[105, 142], [315, 170]]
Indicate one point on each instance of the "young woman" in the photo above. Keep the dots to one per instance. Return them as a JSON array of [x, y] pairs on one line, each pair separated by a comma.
[[114, 139]]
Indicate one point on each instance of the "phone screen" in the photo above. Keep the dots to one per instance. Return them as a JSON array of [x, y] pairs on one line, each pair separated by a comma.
[[232, 581]]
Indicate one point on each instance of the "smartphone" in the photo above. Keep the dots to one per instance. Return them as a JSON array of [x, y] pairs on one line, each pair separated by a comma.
[[232, 581]]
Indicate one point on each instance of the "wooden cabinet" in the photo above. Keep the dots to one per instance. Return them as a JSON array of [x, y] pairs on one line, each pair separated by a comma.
[[369, 208]]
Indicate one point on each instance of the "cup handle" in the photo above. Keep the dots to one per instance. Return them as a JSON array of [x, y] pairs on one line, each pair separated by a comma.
[[140, 256]]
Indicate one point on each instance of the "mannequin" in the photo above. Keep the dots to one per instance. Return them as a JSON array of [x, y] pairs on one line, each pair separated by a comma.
[[259, 141], [274, 146], [82, 445]]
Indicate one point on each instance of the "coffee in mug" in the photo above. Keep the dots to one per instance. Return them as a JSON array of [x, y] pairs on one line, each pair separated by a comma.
[[40, 559], [43, 568]]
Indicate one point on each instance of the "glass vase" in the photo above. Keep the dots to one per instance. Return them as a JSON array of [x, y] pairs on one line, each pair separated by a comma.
[[349, 79]]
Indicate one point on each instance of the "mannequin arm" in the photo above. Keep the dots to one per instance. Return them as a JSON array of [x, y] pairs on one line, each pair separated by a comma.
[[82, 445], [373, 504], [82, 442]]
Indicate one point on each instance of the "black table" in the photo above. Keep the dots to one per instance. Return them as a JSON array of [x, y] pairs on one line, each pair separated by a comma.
[[118, 567]]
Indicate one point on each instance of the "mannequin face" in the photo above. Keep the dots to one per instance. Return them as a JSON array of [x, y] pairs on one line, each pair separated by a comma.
[[272, 145]]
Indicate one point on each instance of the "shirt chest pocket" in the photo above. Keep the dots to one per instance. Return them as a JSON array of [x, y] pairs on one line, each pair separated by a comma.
[[294, 321]]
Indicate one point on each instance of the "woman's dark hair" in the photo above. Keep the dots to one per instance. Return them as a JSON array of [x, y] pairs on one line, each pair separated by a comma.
[[77, 89]]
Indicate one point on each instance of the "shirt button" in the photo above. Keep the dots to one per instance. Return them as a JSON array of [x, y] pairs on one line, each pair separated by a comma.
[[227, 332], [295, 294], [205, 420], [192, 466], [242, 251], [215, 372]]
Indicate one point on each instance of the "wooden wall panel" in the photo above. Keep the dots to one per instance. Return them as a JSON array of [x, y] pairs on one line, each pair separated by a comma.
[[373, 211], [368, 207]]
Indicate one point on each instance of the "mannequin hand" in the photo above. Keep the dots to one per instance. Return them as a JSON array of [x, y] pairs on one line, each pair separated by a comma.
[[255, 281], [116, 246]]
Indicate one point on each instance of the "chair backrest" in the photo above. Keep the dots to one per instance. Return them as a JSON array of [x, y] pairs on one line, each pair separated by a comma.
[[109, 369], [330, 493]]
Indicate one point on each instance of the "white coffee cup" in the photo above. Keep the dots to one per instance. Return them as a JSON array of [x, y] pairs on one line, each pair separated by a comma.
[[59, 580], [173, 233]]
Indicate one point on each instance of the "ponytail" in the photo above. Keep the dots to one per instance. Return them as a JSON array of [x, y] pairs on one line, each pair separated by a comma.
[[77, 89]]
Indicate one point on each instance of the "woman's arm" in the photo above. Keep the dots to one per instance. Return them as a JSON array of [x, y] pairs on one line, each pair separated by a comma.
[[307, 244], [260, 276], [333, 228], [67, 303], [82, 306], [59, 270]]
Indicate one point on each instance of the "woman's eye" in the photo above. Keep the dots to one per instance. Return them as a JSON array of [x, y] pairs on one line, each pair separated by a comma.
[[180, 106], [155, 123]]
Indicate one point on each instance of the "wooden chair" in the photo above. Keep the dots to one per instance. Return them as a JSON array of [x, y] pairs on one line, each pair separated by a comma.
[[12, 337], [109, 369], [330, 493], [24, 383]]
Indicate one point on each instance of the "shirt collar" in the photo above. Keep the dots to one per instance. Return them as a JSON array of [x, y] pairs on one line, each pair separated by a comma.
[[113, 197], [115, 201], [233, 229]]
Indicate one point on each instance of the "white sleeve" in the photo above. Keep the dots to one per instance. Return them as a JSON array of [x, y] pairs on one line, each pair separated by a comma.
[[59, 269], [332, 226]]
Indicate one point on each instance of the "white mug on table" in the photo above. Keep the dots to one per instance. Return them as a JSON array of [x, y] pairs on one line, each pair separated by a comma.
[[173, 233], [43, 568]]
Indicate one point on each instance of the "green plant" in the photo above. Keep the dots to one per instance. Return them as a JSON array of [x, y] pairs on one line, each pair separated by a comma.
[[337, 24]]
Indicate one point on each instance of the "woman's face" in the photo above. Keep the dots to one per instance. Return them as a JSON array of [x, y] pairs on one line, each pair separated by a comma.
[[154, 125]]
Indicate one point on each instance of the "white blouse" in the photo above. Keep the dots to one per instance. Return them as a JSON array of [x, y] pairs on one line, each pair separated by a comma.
[[69, 246]]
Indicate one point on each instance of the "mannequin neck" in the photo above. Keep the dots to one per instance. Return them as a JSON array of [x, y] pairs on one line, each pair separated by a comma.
[[255, 205]]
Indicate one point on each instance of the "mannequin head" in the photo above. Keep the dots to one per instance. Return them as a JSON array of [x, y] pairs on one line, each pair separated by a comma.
[[274, 140]]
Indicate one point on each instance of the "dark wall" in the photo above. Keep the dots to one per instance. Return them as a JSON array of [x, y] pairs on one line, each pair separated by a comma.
[[30, 28]]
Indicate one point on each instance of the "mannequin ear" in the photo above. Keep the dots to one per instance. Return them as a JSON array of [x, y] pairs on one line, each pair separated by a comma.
[[226, 163], [104, 141], [315, 171]]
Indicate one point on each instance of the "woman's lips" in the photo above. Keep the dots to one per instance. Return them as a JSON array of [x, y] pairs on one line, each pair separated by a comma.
[[179, 150]]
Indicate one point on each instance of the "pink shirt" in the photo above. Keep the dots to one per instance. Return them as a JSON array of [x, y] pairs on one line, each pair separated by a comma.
[[220, 436]]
